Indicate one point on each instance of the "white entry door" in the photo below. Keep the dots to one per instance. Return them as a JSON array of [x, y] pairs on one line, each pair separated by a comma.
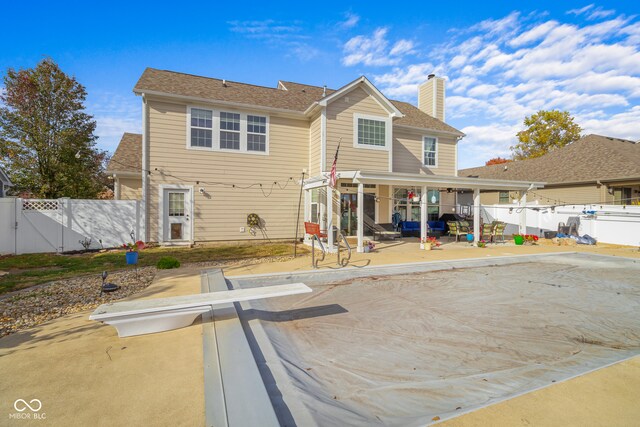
[[177, 215]]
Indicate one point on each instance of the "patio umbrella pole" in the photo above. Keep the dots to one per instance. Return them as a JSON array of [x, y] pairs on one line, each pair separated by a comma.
[[295, 242]]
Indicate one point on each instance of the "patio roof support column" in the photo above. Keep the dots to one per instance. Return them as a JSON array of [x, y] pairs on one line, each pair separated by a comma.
[[476, 216], [423, 216], [523, 214], [360, 215], [329, 218]]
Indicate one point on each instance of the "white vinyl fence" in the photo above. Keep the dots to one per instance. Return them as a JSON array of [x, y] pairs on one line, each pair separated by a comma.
[[39, 225], [606, 223]]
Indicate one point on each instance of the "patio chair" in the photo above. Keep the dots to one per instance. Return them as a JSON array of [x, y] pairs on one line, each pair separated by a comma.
[[454, 230], [487, 232], [498, 231], [464, 226], [379, 230]]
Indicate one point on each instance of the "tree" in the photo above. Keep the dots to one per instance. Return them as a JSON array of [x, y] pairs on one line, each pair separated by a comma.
[[545, 131], [47, 145], [496, 161]]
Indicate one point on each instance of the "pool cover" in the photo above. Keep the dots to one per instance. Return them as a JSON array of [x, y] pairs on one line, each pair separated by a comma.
[[409, 345]]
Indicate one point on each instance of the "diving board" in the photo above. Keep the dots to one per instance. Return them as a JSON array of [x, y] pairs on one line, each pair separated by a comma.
[[164, 314]]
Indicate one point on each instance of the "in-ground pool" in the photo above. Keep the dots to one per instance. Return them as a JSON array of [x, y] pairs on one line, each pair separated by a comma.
[[402, 345]]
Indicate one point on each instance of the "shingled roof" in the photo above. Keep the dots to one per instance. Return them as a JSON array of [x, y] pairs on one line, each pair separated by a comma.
[[128, 155], [591, 158], [295, 97]]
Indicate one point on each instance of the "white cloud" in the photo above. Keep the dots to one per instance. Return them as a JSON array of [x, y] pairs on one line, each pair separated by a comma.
[[114, 114], [591, 12], [534, 34], [622, 125], [265, 29], [581, 10], [485, 142], [402, 47], [374, 50], [350, 21], [501, 70]]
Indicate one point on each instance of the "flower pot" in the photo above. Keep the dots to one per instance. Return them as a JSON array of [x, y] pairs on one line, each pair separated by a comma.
[[518, 240], [132, 258], [367, 249], [427, 246]]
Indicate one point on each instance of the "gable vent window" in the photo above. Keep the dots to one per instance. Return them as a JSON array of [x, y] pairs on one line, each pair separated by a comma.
[[229, 131], [201, 128], [430, 151]]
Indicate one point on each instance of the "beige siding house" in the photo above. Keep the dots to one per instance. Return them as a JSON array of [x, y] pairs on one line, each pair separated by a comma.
[[221, 160], [595, 169]]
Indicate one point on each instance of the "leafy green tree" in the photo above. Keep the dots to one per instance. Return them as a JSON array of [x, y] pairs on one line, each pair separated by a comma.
[[47, 145], [545, 131]]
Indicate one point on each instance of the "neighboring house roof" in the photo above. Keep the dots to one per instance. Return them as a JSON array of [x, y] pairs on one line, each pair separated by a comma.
[[5, 179], [589, 159], [128, 155], [289, 96]]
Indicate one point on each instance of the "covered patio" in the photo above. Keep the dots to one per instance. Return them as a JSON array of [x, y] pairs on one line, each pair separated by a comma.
[[325, 205]]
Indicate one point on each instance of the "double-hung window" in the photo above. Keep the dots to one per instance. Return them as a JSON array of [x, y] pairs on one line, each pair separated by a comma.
[[201, 128], [430, 151], [256, 133], [229, 131]]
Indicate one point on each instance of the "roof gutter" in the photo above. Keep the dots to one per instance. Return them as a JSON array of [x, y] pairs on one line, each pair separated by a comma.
[[444, 132]]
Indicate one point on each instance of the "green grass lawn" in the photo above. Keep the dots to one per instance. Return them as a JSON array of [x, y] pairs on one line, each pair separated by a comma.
[[33, 269]]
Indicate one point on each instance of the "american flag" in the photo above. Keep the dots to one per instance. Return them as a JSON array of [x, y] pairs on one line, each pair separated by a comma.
[[333, 177]]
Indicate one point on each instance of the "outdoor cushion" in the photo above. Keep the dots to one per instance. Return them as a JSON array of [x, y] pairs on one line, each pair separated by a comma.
[[436, 225], [410, 228]]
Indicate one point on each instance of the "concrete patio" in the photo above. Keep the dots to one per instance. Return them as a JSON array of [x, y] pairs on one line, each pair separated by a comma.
[[84, 374]]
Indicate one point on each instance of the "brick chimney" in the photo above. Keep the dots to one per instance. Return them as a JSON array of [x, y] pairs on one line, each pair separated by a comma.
[[431, 97]]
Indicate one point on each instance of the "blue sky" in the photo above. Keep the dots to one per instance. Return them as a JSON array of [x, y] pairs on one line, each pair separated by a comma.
[[502, 61]]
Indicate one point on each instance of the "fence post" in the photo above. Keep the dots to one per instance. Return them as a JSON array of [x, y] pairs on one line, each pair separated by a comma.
[[17, 216]]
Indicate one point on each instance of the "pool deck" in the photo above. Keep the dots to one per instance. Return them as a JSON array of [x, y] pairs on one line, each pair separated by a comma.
[[84, 374]]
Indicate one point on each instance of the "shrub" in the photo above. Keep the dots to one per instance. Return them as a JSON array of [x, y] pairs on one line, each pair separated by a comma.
[[167, 262]]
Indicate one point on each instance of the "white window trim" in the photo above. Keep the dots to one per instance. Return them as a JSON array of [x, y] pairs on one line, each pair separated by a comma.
[[215, 130], [387, 132], [241, 134], [213, 125], [161, 189], [423, 151]]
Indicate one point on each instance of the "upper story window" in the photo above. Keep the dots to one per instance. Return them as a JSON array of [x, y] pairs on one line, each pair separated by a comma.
[[256, 133], [371, 132], [430, 145], [201, 128], [227, 130]]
